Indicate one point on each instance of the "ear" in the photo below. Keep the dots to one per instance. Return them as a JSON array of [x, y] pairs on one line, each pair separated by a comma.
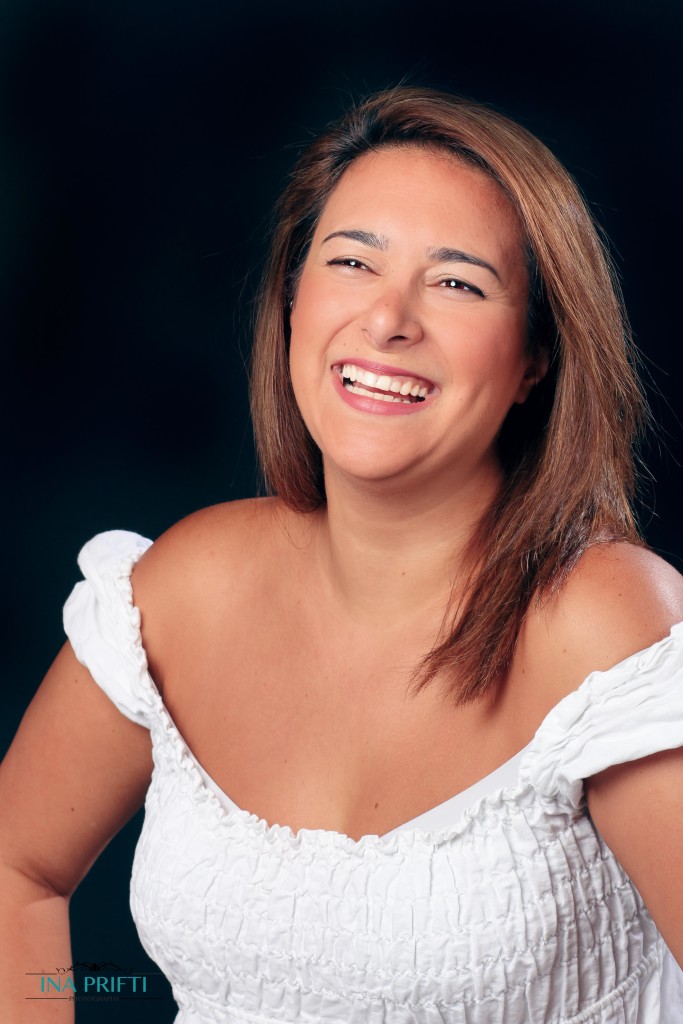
[[536, 369]]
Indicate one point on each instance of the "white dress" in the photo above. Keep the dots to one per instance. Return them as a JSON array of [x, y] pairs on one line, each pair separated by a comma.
[[501, 906]]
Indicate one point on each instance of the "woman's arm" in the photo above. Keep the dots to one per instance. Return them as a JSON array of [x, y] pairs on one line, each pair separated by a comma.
[[620, 600], [638, 810], [76, 772]]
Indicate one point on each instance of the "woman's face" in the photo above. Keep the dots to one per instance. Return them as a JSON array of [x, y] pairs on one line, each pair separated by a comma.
[[408, 343]]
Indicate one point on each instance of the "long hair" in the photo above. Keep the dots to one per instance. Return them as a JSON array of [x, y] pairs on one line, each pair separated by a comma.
[[566, 453]]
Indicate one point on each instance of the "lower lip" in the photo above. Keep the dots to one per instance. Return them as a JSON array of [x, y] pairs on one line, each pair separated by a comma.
[[376, 405]]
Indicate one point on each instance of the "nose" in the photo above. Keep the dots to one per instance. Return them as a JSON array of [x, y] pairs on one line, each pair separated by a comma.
[[391, 319]]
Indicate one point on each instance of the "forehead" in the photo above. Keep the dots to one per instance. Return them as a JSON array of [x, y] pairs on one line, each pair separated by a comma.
[[423, 189]]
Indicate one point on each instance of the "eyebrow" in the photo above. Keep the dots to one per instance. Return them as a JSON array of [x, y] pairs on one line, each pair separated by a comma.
[[364, 237], [442, 255], [458, 256]]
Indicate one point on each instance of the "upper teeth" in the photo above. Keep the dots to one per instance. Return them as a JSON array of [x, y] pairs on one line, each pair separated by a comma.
[[399, 385]]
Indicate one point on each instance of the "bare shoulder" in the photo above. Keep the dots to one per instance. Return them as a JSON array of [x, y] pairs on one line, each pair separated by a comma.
[[618, 600], [201, 571], [195, 546]]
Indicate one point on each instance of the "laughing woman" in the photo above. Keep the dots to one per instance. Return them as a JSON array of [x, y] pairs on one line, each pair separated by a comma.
[[407, 730]]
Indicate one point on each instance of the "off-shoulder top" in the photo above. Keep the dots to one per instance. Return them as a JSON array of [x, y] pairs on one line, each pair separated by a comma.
[[503, 906]]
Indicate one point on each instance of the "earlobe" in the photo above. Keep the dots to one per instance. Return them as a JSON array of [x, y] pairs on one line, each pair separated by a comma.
[[525, 389], [535, 372]]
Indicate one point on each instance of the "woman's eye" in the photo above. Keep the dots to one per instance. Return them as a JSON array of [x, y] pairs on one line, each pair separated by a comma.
[[347, 261], [455, 284]]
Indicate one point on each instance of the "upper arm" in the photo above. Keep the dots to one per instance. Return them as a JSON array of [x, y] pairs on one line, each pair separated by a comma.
[[75, 773], [637, 808], [78, 768], [621, 600]]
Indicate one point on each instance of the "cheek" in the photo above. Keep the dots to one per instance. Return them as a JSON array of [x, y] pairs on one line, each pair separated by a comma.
[[315, 319], [310, 296], [297, 365], [487, 368], [493, 357], [305, 327], [301, 372]]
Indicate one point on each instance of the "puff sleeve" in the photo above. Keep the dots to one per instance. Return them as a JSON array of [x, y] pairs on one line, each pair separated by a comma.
[[103, 624], [624, 713]]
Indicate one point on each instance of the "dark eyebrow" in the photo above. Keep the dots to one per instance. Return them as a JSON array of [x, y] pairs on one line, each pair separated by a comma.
[[458, 256], [364, 237]]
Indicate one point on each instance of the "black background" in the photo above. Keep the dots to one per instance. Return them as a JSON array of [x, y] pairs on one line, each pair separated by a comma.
[[142, 146]]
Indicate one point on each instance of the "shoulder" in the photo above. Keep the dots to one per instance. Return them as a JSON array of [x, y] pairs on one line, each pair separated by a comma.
[[621, 600], [618, 600], [198, 542], [199, 574], [239, 532]]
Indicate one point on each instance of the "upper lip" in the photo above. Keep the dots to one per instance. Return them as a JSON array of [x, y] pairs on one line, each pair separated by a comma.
[[383, 369]]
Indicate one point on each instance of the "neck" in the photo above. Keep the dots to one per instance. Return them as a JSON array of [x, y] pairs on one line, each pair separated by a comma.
[[388, 557]]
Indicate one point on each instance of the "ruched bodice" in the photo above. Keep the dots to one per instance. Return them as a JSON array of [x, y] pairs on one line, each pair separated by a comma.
[[513, 912]]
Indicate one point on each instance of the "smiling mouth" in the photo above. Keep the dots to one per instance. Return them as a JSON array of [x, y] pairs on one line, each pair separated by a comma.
[[383, 387]]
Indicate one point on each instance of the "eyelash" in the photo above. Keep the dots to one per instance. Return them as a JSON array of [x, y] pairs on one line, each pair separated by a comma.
[[353, 263], [470, 287], [346, 261]]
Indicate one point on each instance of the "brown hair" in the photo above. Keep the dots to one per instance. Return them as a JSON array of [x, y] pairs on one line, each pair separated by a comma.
[[566, 452]]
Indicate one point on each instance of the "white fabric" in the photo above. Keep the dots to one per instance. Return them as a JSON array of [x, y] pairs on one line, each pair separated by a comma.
[[513, 911]]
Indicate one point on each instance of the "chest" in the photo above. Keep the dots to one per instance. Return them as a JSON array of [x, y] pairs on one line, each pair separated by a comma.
[[312, 726]]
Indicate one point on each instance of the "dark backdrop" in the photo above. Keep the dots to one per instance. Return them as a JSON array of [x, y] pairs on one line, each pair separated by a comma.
[[142, 146]]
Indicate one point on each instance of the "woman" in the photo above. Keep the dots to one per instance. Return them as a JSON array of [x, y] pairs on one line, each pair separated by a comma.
[[446, 593]]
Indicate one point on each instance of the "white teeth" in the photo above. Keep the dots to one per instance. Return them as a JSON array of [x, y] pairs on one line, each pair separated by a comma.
[[373, 394], [391, 385]]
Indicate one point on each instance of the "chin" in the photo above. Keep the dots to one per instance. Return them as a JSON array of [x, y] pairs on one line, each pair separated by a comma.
[[373, 467]]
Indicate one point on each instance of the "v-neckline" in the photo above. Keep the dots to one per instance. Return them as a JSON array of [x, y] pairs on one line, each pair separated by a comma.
[[411, 827], [455, 804], [547, 725]]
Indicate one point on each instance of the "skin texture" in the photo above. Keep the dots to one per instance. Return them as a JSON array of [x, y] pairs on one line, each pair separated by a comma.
[[401, 307], [282, 644], [76, 771]]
